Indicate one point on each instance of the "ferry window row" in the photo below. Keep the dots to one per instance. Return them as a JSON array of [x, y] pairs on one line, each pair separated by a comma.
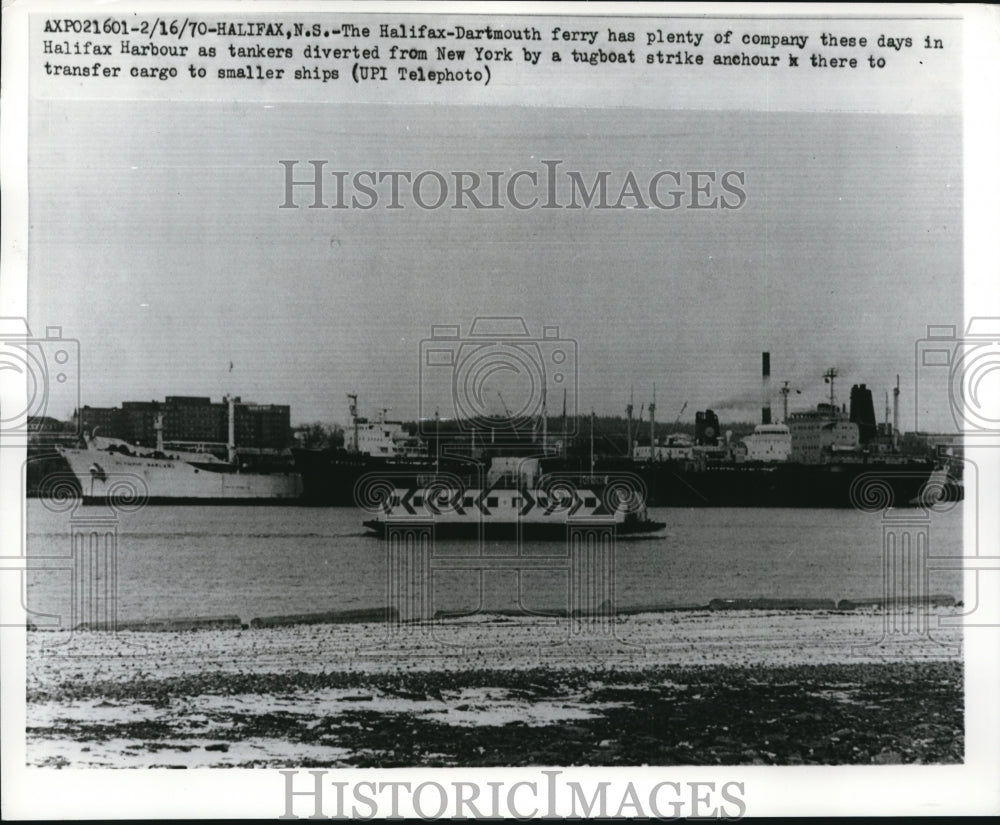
[[491, 501]]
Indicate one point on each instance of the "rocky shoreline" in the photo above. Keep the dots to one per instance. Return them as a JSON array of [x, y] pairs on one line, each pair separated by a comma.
[[772, 688]]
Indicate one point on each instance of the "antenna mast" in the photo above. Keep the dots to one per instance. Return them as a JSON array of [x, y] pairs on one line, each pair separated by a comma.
[[545, 423], [231, 437], [829, 376], [628, 414], [564, 424], [437, 439], [353, 398], [591, 441], [652, 424], [895, 414]]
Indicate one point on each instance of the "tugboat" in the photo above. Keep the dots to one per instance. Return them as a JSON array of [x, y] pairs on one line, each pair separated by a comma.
[[517, 500]]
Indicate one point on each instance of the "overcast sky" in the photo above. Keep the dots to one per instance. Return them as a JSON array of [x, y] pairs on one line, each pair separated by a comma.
[[157, 241]]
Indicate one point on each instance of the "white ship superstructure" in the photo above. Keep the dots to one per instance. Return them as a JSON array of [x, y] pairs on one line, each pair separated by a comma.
[[379, 437], [769, 442]]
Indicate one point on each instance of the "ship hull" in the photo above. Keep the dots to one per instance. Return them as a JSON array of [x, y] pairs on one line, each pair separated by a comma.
[[105, 476], [330, 477], [527, 531], [845, 485], [329, 482]]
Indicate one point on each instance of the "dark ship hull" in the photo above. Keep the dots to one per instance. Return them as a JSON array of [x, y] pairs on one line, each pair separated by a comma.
[[339, 479], [866, 486], [510, 531]]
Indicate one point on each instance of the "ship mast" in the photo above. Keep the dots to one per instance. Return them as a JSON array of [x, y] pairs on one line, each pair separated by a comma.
[[895, 415], [353, 398], [829, 376], [231, 430], [628, 413], [231, 439], [545, 424], [652, 424], [564, 425], [591, 441]]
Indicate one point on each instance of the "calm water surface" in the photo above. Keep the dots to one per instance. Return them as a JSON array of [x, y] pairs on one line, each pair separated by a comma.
[[208, 561]]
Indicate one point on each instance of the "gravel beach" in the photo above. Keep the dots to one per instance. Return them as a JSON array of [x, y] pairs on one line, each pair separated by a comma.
[[668, 688]]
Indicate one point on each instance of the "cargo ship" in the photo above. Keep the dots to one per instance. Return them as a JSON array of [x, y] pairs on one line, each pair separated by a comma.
[[372, 444], [516, 499], [826, 457], [379, 446], [111, 469]]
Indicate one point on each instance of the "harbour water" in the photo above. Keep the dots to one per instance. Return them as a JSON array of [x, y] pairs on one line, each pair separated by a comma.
[[182, 561]]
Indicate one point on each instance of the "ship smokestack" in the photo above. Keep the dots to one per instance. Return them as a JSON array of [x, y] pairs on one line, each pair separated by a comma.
[[706, 428], [895, 414], [765, 412], [863, 412]]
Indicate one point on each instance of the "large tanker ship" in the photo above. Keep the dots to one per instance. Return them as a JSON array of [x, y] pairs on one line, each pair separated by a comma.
[[826, 457]]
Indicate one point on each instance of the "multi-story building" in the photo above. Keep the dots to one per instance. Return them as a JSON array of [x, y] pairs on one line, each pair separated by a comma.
[[107, 421], [266, 426], [192, 420]]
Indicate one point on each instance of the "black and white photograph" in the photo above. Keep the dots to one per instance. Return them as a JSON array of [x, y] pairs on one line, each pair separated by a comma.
[[477, 410]]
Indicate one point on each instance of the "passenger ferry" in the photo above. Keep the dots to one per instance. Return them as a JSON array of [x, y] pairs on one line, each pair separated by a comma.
[[515, 500]]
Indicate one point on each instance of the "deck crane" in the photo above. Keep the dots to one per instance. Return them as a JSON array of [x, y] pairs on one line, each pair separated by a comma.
[[678, 419]]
